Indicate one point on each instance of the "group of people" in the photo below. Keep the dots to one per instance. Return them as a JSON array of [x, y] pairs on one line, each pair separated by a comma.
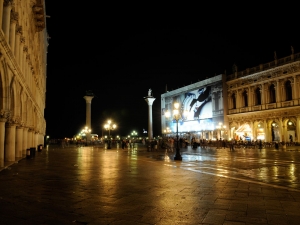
[[127, 143]]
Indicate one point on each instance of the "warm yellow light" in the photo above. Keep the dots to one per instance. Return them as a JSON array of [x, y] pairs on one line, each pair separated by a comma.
[[176, 105], [167, 114]]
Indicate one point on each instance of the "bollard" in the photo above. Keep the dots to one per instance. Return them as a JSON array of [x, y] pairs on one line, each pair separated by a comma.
[[40, 148], [32, 152], [28, 153]]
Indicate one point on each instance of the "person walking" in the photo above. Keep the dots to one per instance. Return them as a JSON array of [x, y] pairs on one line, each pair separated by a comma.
[[232, 142]]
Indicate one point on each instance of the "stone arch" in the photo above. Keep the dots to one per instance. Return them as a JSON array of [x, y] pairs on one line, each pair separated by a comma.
[[232, 128], [14, 105], [4, 86]]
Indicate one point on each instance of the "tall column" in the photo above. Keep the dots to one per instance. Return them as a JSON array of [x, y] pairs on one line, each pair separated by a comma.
[[88, 100], [36, 139], [295, 89], [149, 99], [298, 129], [281, 130], [17, 44], [25, 141], [29, 138], [19, 141], [21, 54], [6, 18], [2, 140], [24, 64], [12, 30], [1, 12], [10, 142]]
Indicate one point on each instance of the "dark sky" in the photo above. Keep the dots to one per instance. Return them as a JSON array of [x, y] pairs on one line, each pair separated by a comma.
[[119, 54]]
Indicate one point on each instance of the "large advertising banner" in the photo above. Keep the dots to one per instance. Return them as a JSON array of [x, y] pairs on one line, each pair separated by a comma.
[[196, 110]]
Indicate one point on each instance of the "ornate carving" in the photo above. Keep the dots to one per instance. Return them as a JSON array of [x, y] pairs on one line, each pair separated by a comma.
[[19, 30], [14, 17], [7, 3], [4, 115]]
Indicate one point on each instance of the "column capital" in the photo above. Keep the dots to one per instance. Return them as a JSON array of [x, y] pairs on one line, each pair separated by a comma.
[[149, 100], [14, 17], [4, 115], [88, 99], [8, 3], [19, 30]]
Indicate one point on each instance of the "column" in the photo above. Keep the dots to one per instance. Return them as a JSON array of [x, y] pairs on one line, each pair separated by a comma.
[[297, 138], [25, 49], [268, 131], [295, 89], [36, 140], [29, 138], [6, 18], [277, 89], [1, 12], [88, 101], [281, 130], [10, 142], [25, 141], [12, 30], [2, 140], [149, 99], [17, 45], [19, 142], [21, 54]]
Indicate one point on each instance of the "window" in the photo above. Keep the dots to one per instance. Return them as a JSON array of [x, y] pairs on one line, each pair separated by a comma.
[[272, 94], [233, 101], [245, 98], [288, 90], [257, 96]]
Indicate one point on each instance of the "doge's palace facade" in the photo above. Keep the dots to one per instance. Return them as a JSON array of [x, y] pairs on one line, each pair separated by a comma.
[[264, 101], [23, 56]]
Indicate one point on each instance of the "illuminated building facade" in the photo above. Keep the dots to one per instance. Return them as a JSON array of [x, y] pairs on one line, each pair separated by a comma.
[[264, 101], [201, 107], [23, 50]]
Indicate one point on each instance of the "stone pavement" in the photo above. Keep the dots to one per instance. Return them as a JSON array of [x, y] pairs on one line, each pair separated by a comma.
[[94, 185]]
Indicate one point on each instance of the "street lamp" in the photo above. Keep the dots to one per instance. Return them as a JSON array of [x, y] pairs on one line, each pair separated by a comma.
[[109, 126], [167, 131], [86, 130], [176, 116]]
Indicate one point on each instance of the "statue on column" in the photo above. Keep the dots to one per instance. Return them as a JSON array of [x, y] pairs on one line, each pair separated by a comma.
[[149, 92]]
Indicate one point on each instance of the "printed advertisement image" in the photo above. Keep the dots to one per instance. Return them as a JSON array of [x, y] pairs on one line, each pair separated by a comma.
[[196, 108]]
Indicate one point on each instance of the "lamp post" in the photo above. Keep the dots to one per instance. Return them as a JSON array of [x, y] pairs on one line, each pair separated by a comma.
[[176, 116], [109, 126]]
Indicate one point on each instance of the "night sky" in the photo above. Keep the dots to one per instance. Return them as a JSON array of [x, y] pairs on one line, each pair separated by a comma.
[[119, 54]]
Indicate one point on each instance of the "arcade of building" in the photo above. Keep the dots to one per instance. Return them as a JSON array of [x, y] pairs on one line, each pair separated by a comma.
[[259, 103], [23, 60]]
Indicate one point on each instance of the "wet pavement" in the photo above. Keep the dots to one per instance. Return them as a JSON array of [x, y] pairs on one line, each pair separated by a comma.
[[95, 185]]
